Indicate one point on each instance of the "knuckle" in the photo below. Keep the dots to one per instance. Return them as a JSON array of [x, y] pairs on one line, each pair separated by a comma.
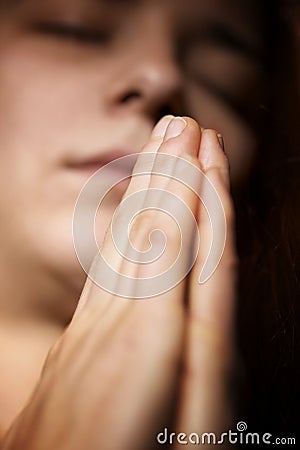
[[143, 223], [153, 220]]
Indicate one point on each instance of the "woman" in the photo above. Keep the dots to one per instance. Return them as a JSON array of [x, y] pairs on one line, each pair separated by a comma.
[[81, 83]]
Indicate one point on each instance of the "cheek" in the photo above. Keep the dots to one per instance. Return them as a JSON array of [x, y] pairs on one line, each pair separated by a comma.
[[47, 110], [240, 142], [27, 156], [46, 94], [39, 113]]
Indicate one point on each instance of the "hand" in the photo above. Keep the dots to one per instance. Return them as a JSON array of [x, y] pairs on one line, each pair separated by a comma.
[[209, 355], [111, 380]]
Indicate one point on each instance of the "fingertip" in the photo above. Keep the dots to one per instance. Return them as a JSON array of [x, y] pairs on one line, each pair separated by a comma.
[[193, 124], [175, 128], [160, 128], [212, 149], [221, 141]]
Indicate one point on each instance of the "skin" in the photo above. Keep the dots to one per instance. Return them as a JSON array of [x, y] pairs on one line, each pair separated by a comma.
[[166, 348], [64, 100]]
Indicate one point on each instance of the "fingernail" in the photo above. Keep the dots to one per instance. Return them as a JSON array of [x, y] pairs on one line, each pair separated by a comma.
[[175, 128], [221, 141], [161, 126]]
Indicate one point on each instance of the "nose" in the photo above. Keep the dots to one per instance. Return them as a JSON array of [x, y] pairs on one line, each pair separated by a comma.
[[149, 80]]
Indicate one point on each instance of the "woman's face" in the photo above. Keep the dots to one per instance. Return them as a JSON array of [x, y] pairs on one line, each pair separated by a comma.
[[83, 81]]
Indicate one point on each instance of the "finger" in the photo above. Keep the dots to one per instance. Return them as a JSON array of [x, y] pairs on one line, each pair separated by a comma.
[[145, 165], [173, 167], [211, 307], [154, 326], [185, 145], [90, 287], [209, 335], [149, 213]]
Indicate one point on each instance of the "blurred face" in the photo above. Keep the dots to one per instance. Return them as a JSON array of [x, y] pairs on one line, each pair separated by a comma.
[[83, 81]]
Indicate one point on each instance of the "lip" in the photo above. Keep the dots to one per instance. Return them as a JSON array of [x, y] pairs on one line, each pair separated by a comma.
[[117, 162]]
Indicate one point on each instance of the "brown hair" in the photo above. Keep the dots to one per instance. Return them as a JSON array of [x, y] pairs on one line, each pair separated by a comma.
[[268, 224]]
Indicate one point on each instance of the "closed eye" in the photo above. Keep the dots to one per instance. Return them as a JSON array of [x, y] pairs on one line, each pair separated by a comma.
[[221, 36], [74, 33]]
